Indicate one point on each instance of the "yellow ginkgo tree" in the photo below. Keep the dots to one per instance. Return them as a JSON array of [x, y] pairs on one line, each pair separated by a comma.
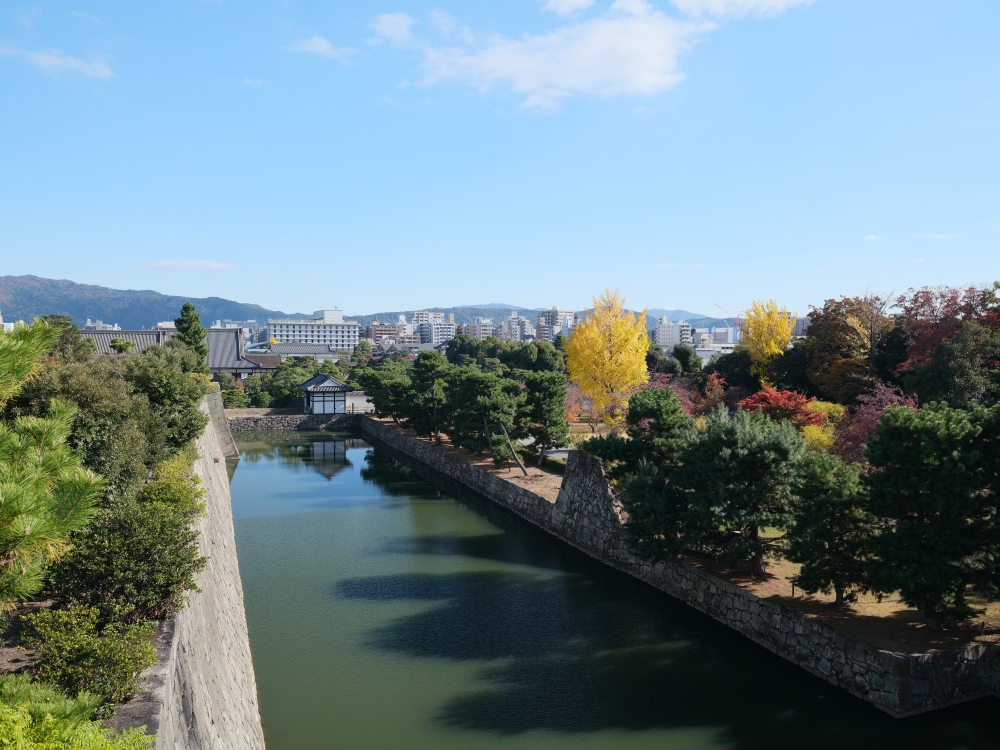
[[606, 356], [767, 332]]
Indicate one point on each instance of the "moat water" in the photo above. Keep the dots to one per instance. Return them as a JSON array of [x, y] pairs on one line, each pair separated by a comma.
[[386, 615]]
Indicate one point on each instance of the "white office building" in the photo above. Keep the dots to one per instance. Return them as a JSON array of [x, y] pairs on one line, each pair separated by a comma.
[[435, 333], [552, 323], [327, 327], [422, 316], [482, 329], [667, 335], [517, 328]]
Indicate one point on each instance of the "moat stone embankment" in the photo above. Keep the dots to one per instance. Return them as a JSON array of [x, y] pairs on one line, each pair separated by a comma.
[[202, 694], [587, 516]]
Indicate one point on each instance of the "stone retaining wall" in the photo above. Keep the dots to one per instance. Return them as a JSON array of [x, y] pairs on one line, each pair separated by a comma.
[[291, 422], [587, 516], [202, 693]]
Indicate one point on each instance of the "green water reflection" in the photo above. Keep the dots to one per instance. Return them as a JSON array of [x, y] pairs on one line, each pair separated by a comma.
[[386, 614]]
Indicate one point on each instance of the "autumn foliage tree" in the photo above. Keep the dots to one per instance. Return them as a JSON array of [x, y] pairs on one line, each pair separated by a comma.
[[784, 406], [767, 331], [858, 425], [606, 356]]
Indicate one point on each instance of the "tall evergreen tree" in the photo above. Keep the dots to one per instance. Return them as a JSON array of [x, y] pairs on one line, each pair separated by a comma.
[[640, 464], [738, 478], [546, 409], [832, 529], [481, 404], [189, 331], [932, 490], [424, 404]]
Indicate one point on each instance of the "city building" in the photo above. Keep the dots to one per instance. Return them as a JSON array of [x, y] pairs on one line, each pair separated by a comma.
[[554, 322], [98, 325], [422, 316], [327, 327], [667, 334], [435, 333], [517, 328], [377, 331], [7, 327]]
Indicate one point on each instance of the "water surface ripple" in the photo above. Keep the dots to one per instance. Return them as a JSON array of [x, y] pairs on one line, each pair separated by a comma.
[[384, 614]]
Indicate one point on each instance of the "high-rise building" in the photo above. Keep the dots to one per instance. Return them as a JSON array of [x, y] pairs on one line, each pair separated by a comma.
[[435, 333]]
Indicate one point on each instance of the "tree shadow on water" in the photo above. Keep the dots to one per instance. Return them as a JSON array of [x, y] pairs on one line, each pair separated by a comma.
[[573, 654]]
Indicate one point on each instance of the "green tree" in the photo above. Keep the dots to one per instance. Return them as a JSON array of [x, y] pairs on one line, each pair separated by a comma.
[[735, 368], [832, 530], [226, 381], [252, 385], [362, 350], [690, 362], [657, 361], [388, 386], [45, 493], [235, 399], [189, 331], [291, 373], [738, 479], [936, 513], [424, 405], [71, 347], [545, 409], [639, 465], [120, 345], [789, 371], [482, 404], [174, 395], [964, 372]]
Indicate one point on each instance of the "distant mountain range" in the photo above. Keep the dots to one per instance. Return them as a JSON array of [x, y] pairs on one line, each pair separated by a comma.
[[27, 297]]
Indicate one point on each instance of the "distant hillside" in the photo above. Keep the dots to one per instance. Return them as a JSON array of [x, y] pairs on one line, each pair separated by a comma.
[[27, 297]]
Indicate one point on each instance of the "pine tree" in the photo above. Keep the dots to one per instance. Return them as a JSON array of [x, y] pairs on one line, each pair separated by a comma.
[[738, 478], [657, 430], [189, 331], [932, 490], [481, 404], [424, 404], [546, 409], [832, 530], [46, 493]]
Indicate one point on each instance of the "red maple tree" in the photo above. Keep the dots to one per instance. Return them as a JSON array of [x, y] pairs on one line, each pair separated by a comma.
[[934, 316], [784, 406], [859, 423]]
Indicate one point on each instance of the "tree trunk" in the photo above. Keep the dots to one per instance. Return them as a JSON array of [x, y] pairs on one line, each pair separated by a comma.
[[489, 438], [840, 594], [541, 457], [757, 566], [516, 457]]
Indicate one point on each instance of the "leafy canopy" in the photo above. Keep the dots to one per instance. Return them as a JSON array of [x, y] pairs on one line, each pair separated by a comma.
[[606, 355], [767, 331]]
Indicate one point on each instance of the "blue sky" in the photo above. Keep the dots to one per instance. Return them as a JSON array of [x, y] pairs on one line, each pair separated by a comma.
[[404, 154]]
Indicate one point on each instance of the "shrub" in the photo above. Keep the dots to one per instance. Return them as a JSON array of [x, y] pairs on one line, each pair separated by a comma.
[[234, 399], [73, 654], [261, 400], [226, 381], [37, 716], [140, 555]]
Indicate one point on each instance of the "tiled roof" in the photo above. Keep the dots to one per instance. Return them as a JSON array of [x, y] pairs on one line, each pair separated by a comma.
[[264, 360], [323, 383], [225, 348], [142, 339], [299, 350]]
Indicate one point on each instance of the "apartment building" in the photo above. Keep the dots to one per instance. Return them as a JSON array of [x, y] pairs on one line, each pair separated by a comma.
[[327, 327], [668, 334]]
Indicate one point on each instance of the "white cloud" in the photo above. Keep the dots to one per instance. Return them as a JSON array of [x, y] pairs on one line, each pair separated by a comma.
[[85, 15], [394, 27], [634, 50], [736, 8], [568, 7], [317, 45], [184, 264], [54, 61], [256, 82], [872, 237], [938, 236]]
